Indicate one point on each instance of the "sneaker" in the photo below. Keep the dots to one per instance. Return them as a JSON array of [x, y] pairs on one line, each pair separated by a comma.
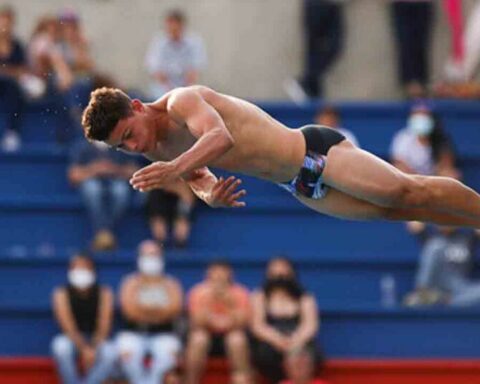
[[104, 240], [424, 297], [295, 91], [11, 141]]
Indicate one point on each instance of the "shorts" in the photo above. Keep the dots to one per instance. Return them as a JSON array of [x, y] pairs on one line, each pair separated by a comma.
[[217, 346], [309, 182], [167, 205]]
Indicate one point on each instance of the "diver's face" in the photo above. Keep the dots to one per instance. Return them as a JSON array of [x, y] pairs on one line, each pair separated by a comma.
[[134, 134]]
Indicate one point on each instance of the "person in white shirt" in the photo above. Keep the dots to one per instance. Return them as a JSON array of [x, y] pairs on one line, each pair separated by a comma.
[[422, 147], [175, 57]]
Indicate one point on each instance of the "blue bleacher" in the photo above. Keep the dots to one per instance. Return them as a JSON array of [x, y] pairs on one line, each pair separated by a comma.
[[341, 262]]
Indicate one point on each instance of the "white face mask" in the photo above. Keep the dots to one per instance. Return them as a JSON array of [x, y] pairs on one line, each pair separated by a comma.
[[81, 278], [420, 124], [151, 265]]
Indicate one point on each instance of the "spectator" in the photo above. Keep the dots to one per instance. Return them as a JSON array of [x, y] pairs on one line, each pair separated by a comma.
[[330, 117], [324, 35], [284, 320], [462, 65], [172, 207], [12, 67], [73, 44], [101, 175], [75, 50], [175, 58], [151, 303], [423, 147], [84, 311], [45, 57], [471, 42], [412, 22], [46, 62], [446, 263], [454, 65], [219, 313]]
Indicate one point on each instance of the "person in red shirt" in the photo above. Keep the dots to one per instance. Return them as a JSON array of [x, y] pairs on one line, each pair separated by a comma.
[[219, 312]]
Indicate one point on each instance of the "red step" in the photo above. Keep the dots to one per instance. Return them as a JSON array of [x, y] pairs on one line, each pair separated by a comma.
[[40, 370]]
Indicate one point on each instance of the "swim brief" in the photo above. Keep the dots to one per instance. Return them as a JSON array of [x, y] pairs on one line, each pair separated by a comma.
[[308, 182]]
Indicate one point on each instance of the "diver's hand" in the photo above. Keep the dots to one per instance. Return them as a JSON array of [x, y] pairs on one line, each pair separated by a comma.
[[155, 176], [225, 194]]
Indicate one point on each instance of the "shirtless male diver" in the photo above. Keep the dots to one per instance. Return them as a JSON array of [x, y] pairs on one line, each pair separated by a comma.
[[191, 128]]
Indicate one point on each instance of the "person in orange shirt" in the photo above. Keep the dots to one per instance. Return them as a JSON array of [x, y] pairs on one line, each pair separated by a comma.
[[219, 310]]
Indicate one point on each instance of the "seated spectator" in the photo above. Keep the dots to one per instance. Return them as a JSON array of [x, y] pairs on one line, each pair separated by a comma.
[[330, 117], [84, 311], [444, 271], [46, 62], [12, 66], [175, 58], [284, 320], [46, 59], [300, 368], [151, 304], [101, 175], [219, 314], [73, 45], [171, 208], [423, 147], [75, 50]]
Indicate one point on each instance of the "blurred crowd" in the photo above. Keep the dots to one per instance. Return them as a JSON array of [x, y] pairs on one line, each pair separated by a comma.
[[55, 65], [166, 336]]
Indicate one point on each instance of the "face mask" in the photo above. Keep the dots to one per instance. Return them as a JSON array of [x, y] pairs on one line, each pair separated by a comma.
[[420, 124], [150, 265], [81, 278]]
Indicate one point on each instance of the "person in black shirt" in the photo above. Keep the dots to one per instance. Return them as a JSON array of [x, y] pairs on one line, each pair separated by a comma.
[[84, 312], [285, 321]]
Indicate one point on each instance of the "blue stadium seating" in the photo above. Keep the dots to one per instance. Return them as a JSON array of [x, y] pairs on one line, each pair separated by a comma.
[[342, 262]]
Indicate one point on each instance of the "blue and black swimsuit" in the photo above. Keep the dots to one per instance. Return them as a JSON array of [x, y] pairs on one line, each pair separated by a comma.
[[308, 182]]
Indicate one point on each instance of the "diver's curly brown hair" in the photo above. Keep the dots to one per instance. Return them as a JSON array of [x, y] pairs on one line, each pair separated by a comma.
[[106, 107]]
